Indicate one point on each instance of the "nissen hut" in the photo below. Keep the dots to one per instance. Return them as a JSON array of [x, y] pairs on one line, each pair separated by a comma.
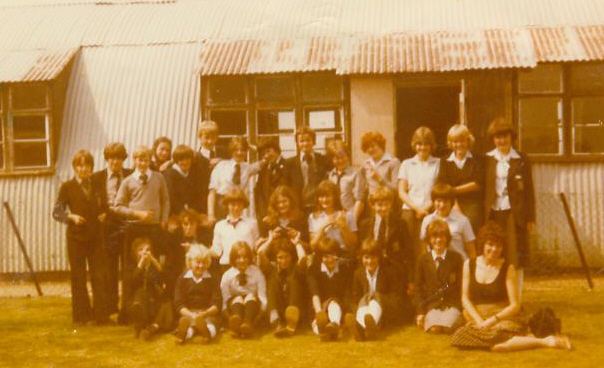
[[81, 73]]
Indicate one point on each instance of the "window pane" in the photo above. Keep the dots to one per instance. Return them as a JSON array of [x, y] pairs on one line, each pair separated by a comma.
[[230, 122], [227, 90], [321, 87], [274, 122], [540, 125], [588, 124], [28, 96], [587, 78], [274, 89], [29, 127], [323, 119], [30, 154], [542, 79]]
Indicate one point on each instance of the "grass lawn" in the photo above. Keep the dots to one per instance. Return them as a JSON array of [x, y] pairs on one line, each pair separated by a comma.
[[37, 332]]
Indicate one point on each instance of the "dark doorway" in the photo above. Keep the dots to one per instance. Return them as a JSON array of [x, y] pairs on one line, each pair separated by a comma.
[[436, 107]]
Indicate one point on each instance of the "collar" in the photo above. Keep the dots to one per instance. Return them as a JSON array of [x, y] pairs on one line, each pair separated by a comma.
[[111, 173], [233, 222], [431, 160], [385, 158], [77, 178], [137, 174], [179, 170], [205, 152], [189, 275], [329, 273], [434, 255], [370, 276], [454, 158], [499, 157]]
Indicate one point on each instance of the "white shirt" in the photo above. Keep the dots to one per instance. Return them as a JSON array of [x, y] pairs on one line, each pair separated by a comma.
[[372, 280], [376, 226], [189, 275], [256, 285], [352, 186], [221, 179], [112, 186], [205, 152], [459, 163], [316, 222], [435, 256], [329, 273], [225, 235], [502, 201], [420, 177], [459, 226]]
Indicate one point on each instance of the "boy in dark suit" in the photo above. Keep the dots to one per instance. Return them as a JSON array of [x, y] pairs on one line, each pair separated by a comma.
[[307, 169], [376, 293], [271, 175], [438, 282], [181, 182], [108, 182], [78, 206]]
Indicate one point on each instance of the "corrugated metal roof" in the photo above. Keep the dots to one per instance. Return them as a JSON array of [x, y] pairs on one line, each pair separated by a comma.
[[35, 65], [269, 56]]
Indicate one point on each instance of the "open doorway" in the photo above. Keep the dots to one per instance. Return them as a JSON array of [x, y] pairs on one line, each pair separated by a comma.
[[436, 107]]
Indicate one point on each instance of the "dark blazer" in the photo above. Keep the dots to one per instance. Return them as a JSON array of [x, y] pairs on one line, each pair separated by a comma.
[[201, 171], [72, 199], [336, 287], [521, 189], [320, 167], [99, 179], [268, 181], [183, 191], [398, 249], [389, 289], [440, 287]]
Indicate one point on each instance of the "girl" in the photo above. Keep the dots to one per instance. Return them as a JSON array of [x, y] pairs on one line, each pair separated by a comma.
[[329, 221], [243, 291], [161, 154], [150, 311], [349, 180], [376, 293], [328, 283], [284, 220], [416, 178], [464, 173], [284, 286], [492, 303], [197, 298], [438, 282], [380, 169], [509, 193]]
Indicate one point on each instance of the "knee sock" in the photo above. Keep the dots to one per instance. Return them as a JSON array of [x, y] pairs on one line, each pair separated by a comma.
[[334, 312], [212, 329]]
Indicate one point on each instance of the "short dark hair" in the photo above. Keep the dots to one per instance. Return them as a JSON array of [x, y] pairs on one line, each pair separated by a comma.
[[266, 143], [328, 246], [159, 141], [500, 126], [138, 243], [82, 156], [302, 130], [283, 244], [115, 150], [182, 152], [442, 191]]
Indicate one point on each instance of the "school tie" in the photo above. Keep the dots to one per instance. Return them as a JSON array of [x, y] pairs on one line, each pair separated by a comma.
[[439, 262], [242, 278], [212, 154], [237, 174], [340, 175], [382, 231], [87, 187], [144, 179], [234, 223], [306, 169]]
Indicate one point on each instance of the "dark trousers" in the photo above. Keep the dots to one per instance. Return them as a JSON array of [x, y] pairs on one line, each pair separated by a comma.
[[516, 252], [114, 246], [145, 311], [83, 254], [283, 292], [133, 231]]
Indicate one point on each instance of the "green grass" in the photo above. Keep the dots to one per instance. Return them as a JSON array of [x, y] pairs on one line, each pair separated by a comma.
[[37, 332]]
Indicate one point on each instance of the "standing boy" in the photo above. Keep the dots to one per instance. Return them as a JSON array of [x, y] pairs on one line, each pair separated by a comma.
[[108, 181], [181, 182], [78, 206], [271, 175]]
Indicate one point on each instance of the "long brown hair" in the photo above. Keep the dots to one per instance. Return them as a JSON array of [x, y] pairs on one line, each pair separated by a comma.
[[272, 217]]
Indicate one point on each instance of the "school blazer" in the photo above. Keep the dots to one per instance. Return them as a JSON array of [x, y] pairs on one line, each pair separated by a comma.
[[521, 189], [397, 248], [296, 178], [438, 287], [72, 199], [389, 289], [183, 191], [99, 180], [265, 185]]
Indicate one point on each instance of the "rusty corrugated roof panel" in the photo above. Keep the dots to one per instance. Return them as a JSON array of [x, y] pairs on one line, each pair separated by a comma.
[[592, 40], [269, 56], [36, 65], [439, 52]]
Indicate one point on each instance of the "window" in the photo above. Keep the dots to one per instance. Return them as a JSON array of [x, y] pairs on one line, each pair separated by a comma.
[[560, 110], [273, 105], [25, 122]]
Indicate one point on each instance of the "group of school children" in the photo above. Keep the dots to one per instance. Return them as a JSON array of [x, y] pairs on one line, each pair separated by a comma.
[[344, 249]]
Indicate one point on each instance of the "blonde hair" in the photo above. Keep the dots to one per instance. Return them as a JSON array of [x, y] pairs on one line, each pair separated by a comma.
[[459, 132], [423, 134], [142, 150], [207, 127], [198, 251], [336, 147]]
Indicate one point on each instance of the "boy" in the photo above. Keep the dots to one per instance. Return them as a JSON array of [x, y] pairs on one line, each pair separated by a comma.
[[462, 236], [108, 181], [181, 182], [144, 202], [206, 159], [271, 175], [376, 293], [307, 169], [78, 206], [350, 181]]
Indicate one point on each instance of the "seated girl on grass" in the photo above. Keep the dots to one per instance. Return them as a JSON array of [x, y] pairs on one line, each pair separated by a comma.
[[197, 297]]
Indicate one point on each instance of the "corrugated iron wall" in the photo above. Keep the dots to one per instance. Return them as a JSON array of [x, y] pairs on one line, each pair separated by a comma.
[[128, 94]]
